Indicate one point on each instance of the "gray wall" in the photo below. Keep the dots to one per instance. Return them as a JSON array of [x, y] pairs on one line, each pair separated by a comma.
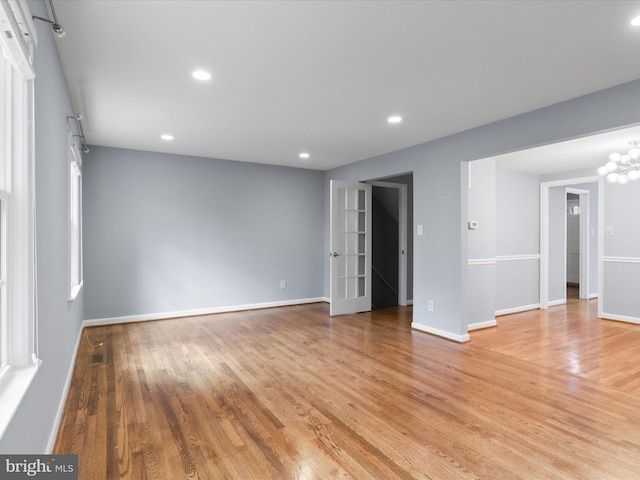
[[440, 201], [557, 228], [517, 240], [58, 320], [482, 242], [143, 201], [436, 195], [621, 253], [168, 233]]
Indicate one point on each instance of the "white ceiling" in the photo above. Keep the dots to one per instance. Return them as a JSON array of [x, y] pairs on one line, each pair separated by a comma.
[[323, 76], [583, 153]]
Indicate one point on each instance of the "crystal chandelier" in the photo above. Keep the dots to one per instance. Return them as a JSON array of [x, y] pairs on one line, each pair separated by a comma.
[[622, 168]]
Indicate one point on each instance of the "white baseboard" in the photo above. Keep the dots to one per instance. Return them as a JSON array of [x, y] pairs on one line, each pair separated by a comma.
[[63, 397], [619, 318], [591, 296], [440, 333], [555, 303], [191, 313], [481, 325], [522, 308]]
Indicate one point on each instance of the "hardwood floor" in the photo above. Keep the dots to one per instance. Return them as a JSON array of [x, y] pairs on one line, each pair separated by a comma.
[[291, 393], [572, 339]]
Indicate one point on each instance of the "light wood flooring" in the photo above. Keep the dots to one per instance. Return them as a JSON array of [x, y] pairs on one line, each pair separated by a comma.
[[291, 393]]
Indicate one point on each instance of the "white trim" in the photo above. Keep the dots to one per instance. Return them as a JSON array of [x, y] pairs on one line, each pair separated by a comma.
[[509, 258], [63, 397], [619, 318], [19, 52], [4, 296], [14, 384], [555, 303], [621, 259], [482, 261], [544, 246], [571, 181], [75, 290], [20, 348], [197, 312], [584, 247], [74, 212], [544, 228], [440, 333], [591, 296], [402, 235], [601, 193], [522, 308], [480, 325]]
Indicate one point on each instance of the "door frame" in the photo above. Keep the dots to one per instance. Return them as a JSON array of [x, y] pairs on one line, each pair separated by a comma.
[[544, 229], [349, 304], [402, 235], [584, 239]]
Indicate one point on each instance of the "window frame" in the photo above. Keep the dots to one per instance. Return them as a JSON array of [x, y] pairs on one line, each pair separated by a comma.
[[19, 345], [75, 220], [4, 225]]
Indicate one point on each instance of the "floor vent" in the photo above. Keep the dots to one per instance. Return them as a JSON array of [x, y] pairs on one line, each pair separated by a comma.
[[96, 359]]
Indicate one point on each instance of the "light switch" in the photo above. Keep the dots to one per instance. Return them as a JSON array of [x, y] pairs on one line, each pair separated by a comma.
[[420, 230], [473, 225]]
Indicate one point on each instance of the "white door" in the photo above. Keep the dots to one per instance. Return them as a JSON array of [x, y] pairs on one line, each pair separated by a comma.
[[350, 247]]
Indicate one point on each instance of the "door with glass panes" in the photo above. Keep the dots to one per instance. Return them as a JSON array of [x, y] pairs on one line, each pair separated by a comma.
[[350, 254]]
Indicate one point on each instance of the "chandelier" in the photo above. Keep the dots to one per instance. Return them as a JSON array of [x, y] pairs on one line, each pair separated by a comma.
[[622, 168]]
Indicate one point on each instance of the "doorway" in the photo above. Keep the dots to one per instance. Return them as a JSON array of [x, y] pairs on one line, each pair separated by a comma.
[[567, 262], [573, 253], [392, 245], [577, 240]]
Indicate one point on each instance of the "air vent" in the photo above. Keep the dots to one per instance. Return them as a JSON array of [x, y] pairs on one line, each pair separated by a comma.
[[96, 359]]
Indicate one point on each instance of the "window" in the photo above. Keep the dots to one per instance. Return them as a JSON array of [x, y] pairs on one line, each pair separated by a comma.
[[4, 198], [18, 326], [75, 219]]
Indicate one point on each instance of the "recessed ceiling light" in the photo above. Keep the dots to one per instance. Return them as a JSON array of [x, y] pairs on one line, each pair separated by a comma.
[[304, 155], [201, 75], [166, 137], [636, 21], [394, 119]]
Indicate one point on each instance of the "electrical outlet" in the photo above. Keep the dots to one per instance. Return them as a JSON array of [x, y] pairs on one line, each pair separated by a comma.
[[430, 305], [283, 284]]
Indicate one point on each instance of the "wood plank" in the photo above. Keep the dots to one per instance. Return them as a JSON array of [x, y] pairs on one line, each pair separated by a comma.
[[293, 393]]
